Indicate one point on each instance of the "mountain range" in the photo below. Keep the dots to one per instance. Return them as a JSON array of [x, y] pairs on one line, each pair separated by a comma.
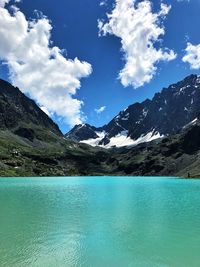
[[155, 137], [164, 115]]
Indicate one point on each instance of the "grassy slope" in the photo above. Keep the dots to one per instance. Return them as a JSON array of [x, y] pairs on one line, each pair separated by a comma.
[[174, 156], [52, 155]]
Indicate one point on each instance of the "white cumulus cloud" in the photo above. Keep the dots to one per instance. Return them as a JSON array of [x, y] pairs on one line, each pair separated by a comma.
[[192, 56], [38, 68], [3, 2], [139, 29], [45, 110], [100, 110]]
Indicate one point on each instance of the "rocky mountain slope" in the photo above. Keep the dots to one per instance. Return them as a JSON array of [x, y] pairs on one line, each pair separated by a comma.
[[164, 115], [176, 155], [21, 115], [31, 144]]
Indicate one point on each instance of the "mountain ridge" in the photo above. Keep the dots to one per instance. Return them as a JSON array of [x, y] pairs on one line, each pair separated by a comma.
[[32, 145], [166, 113], [18, 110]]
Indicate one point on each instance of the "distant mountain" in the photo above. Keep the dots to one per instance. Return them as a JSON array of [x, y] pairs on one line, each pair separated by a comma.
[[82, 132], [164, 115]]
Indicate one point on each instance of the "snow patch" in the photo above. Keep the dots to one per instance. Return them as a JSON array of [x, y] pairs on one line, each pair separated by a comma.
[[122, 139], [80, 126], [190, 123], [182, 89], [101, 134], [94, 142], [145, 112], [127, 114], [126, 117]]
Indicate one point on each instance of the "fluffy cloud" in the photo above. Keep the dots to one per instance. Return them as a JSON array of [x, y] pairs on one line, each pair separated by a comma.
[[139, 30], [100, 110], [192, 56], [38, 68], [46, 111], [3, 2]]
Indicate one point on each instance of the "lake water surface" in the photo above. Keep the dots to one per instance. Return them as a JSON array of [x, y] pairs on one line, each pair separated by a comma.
[[99, 222]]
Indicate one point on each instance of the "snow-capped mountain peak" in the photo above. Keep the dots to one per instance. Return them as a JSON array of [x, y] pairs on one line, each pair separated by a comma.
[[168, 112]]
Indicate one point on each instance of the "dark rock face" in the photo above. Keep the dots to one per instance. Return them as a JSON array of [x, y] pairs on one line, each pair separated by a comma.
[[16, 109], [176, 155], [82, 132], [25, 133], [166, 113], [191, 140]]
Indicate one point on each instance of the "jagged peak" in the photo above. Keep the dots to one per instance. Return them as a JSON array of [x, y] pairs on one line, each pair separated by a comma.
[[167, 112]]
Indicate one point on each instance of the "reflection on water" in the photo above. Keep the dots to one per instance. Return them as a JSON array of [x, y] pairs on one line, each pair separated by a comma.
[[99, 222]]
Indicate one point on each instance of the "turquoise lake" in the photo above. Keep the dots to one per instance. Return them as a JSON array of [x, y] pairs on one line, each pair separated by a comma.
[[97, 222]]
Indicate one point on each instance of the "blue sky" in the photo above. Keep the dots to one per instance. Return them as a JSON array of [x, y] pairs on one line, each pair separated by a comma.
[[75, 29]]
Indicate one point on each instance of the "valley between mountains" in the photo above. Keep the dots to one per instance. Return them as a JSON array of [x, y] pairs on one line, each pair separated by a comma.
[[158, 137]]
